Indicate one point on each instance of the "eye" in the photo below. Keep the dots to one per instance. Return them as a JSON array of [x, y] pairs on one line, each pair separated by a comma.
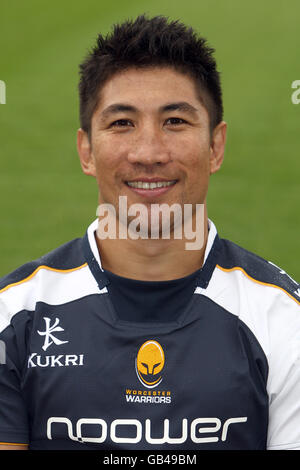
[[175, 121], [121, 123]]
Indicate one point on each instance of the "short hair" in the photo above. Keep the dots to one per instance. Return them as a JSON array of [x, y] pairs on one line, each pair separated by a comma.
[[150, 42]]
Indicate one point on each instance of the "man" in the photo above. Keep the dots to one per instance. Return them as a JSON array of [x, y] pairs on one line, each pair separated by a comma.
[[138, 342]]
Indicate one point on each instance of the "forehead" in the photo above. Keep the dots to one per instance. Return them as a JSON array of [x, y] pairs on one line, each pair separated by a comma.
[[148, 86]]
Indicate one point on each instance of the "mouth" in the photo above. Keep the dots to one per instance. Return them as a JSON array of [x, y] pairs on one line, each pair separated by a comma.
[[150, 188], [150, 185]]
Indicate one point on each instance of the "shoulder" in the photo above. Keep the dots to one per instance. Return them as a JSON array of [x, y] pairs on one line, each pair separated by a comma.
[[65, 258], [255, 269], [260, 294], [55, 278]]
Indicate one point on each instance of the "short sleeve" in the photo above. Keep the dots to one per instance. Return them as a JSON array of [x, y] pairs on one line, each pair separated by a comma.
[[284, 376], [13, 415]]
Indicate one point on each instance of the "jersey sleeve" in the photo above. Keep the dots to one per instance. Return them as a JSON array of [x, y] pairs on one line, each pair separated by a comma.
[[284, 375], [13, 415]]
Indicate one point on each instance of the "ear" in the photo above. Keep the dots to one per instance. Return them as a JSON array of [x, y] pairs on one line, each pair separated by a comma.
[[84, 149], [218, 147]]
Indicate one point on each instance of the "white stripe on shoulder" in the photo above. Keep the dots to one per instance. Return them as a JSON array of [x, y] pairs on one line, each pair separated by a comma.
[[46, 285], [264, 308]]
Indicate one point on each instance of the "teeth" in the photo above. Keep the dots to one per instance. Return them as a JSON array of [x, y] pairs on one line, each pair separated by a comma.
[[143, 185]]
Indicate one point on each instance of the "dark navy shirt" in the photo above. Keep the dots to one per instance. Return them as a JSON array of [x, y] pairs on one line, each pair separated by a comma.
[[150, 301], [89, 360]]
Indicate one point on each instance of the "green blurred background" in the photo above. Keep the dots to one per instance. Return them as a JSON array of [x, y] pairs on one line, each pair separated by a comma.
[[46, 200]]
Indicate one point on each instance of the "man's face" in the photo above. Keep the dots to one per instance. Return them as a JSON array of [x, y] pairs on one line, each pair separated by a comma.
[[150, 127]]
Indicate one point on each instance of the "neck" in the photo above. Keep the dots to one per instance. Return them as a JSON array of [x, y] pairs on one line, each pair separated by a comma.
[[150, 259]]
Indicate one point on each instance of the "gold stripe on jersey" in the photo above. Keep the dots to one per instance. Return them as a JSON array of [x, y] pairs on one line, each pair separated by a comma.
[[12, 444]]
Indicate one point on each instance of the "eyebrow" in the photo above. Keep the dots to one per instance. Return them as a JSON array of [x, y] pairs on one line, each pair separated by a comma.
[[118, 108], [123, 107], [180, 106]]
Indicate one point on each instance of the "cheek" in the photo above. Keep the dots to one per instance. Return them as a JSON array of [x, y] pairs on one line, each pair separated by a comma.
[[191, 150], [195, 162], [108, 155]]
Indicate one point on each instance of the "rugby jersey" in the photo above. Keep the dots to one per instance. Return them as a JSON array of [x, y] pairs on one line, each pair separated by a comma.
[[223, 373]]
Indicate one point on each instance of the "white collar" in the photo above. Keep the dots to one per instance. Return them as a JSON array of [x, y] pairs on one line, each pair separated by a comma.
[[212, 232]]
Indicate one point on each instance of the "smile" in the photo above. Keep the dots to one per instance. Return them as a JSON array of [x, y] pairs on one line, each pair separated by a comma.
[[151, 185]]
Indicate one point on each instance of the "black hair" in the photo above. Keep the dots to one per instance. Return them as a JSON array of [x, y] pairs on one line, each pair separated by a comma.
[[150, 42]]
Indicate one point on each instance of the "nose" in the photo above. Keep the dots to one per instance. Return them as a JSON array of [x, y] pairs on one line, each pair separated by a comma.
[[149, 147]]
